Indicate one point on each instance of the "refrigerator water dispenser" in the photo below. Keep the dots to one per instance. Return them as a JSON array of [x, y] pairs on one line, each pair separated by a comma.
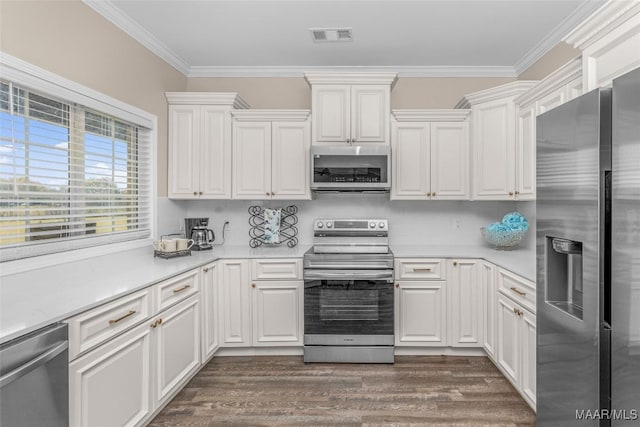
[[564, 275]]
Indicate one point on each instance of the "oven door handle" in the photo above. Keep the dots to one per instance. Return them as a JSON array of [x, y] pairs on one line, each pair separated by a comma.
[[348, 275]]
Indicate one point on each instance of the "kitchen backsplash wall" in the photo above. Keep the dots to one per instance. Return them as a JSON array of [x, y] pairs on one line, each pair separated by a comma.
[[429, 222]]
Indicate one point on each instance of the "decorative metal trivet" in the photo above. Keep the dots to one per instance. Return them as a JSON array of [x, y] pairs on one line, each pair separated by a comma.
[[288, 229]]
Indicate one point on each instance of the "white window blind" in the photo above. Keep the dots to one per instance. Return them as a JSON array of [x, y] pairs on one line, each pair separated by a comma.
[[70, 177]]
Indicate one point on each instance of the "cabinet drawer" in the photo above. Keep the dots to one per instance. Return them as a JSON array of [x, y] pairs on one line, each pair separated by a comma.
[[96, 326], [420, 269], [518, 289], [276, 269], [175, 289]]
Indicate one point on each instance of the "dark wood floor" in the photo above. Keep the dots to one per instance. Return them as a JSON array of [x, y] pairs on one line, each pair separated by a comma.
[[271, 391]]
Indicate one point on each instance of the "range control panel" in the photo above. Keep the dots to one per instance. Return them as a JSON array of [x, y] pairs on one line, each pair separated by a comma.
[[324, 224]]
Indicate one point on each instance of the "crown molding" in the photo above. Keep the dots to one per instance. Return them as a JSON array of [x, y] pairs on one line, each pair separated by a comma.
[[568, 72], [608, 17], [435, 115], [556, 35], [231, 99], [121, 20], [399, 71], [269, 115], [504, 91]]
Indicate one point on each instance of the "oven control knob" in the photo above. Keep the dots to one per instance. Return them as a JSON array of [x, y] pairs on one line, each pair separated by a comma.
[[329, 224], [319, 224], [372, 225], [381, 224]]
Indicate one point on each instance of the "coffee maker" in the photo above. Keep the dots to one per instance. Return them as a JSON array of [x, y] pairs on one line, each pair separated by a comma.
[[197, 229]]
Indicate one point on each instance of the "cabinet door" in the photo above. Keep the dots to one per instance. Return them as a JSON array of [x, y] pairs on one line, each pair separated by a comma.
[[252, 160], [411, 159], [110, 386], [370, 113], [508, 343], [210, 309], [489, 309], [176, 347], [290, 160], [420, 313], [493, 150], [235, 303], [526, 154], [465, 303], [215, 153], [450, 160], [528, 356], [277, 313], [184, 142], [331, 113]]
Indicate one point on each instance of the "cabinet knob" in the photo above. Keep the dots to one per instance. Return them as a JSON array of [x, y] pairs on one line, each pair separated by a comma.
[[517, 192], [455, 263], [267, 193], [511, 193], [253, 285], [195, 193], [273, 194], [397, 285], [200, 193], [205, 269], [433, 194]]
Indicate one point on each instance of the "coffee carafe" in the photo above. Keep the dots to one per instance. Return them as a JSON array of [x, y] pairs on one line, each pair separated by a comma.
[[197, 229]]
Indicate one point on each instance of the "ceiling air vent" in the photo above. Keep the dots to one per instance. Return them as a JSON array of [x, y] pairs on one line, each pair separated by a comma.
[[321, 35]]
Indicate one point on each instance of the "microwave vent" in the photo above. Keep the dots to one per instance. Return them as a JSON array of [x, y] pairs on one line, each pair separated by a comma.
[[322, 35]]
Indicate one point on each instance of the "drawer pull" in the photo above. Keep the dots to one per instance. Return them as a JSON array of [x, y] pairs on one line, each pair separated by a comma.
[[518, 291], [124, 316], [156, 323], [184, 288], [416, 270]]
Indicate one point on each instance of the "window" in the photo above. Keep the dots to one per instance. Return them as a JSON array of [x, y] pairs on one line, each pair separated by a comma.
[[70, 176]]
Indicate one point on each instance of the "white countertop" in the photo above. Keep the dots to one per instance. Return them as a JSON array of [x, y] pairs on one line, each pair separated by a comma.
[[37, 298]]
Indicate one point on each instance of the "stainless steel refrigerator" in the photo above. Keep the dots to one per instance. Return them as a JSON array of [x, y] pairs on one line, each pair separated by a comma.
[[588, 259]]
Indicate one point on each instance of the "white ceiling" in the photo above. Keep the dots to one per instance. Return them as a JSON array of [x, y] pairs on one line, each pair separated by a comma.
[[414, 37]]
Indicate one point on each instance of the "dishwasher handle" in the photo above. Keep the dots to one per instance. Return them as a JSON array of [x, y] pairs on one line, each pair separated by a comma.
[[34, 363]]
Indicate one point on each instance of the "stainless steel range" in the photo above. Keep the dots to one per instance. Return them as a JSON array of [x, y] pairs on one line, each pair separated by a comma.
[[348, 292]]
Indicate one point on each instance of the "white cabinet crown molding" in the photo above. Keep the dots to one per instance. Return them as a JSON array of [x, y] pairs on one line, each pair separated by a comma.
[[231, 99], [610, 16], [499, 92], [269, 115], [554, 81], [332, 78], [443, 115]]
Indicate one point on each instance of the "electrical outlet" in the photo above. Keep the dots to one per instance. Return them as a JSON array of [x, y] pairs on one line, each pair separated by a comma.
[[456, 224], [181, 225]]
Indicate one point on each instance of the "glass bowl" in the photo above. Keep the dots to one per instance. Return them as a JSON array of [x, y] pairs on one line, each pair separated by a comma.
[[502, 240]]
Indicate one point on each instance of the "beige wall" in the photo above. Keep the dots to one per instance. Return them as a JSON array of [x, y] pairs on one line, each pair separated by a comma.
[[294, 92], [551, 61], [70, 39]]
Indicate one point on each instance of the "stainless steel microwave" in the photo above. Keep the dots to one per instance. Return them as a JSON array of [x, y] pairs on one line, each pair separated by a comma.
[[351, 167]]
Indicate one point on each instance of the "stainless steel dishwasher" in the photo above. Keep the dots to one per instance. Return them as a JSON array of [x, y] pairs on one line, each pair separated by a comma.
[[34, 380]]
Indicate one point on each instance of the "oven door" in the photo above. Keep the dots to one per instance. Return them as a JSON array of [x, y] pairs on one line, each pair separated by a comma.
[[348, 308]]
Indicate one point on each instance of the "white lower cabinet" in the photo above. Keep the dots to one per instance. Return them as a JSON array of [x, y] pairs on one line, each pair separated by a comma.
[[176, 347], [277, 313], [489, 300], [123, 381], [210, 309], [465, 303], [235, 303], [110, 386], [516, 350], [421, 313]]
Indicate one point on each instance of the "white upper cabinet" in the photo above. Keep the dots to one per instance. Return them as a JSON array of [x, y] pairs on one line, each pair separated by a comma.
[[350, 108], [430, 155], [271, 154], [493, 138], [200, 144], [610, 43], [561, 86]]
